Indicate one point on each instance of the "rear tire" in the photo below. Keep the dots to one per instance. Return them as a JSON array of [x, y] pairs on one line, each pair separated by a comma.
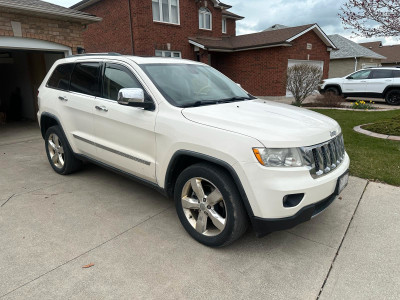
[[393, 97], [60, 156], [209, 205]]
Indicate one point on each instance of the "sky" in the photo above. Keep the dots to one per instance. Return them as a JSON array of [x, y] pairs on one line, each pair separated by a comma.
[[261, 14]]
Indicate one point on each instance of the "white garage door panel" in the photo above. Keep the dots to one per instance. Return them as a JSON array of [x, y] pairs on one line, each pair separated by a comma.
[[292, 62]]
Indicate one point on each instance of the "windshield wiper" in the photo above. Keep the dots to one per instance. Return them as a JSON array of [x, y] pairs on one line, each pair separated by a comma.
[[237, 98], [201, 103], [211, 102]]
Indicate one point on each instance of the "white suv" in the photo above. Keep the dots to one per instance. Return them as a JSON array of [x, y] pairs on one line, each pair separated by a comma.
[[193, 134], [373, 83]]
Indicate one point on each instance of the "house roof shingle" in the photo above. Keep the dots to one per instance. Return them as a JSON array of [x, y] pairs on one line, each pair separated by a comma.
[[350, 49], [229, 14], [262, 39], [45, 8], [392, 52]]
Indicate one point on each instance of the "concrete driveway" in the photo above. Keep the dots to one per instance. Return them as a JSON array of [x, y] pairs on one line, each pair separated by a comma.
[[52, 225]]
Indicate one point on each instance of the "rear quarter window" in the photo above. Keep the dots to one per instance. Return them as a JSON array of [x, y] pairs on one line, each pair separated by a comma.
[[60, 77], [396, 74]]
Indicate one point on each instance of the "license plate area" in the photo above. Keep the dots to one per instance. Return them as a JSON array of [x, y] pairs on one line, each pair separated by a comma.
[[342, 183]]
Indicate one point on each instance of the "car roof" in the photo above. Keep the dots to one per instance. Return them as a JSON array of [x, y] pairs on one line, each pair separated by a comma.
[[137, 59], [383, 68]]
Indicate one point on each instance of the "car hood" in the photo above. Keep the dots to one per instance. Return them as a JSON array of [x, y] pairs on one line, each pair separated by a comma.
[[273, 124]]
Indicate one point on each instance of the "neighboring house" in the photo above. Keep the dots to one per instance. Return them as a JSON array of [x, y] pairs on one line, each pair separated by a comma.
[[205, 31], [351, 57], [391, 52], [33, 34]]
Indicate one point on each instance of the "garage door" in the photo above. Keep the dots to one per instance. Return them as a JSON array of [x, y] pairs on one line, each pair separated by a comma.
[[292, 62]]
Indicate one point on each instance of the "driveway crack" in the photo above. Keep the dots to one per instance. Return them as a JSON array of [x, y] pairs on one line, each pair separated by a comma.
[[341, 243]]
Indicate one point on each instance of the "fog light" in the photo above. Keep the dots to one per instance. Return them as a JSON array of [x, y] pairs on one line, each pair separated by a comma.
[[292, 200]]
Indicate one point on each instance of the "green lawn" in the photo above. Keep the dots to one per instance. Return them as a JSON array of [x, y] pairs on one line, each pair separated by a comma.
[[388, 126], [371, 158]]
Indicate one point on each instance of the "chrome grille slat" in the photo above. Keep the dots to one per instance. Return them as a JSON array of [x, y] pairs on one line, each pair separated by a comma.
[[325, 156]]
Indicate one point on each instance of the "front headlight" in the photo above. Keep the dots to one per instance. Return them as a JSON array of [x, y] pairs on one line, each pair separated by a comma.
[[279, 157]]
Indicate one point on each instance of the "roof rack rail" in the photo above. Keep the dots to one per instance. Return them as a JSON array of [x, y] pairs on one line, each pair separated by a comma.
[[97, 54]]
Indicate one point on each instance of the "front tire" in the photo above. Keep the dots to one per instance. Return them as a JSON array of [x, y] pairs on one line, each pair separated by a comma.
[[333, 90], [209, 205], [60, 157], [393, 97]]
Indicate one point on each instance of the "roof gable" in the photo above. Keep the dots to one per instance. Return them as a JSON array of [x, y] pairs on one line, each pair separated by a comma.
[[263, 39], [391, 52], [350, 49]]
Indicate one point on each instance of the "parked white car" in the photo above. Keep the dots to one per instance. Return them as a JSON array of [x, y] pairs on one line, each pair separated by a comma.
[[372, 83], [187, 130]]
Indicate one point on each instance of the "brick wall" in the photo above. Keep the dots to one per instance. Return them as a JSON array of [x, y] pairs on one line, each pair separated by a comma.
[[262, 72], [36, 27], [147, 34], [230, 27], [113, 33]]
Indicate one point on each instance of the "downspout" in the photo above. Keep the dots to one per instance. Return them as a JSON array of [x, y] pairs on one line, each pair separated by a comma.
[[130, 25], [355, 64]]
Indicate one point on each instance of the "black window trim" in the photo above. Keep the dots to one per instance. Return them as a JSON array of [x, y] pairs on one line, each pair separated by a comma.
[[125, 66]]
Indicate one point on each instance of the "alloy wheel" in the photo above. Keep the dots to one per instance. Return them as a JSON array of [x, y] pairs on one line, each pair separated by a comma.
[[56, 150], [204, 206], [394, 98]]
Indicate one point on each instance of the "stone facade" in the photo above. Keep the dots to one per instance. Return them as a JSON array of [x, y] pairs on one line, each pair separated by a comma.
[[63, 32], [345, 66]]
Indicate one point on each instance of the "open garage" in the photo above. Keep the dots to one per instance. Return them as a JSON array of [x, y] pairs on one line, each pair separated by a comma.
[[33, 35]]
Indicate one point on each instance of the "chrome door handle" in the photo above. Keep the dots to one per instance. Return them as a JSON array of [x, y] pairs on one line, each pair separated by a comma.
[[103, 108], [62, 98], [363, 81]]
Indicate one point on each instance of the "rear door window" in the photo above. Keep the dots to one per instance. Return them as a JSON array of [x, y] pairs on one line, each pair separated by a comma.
[[85, 78], [376, 74], [60, 77]]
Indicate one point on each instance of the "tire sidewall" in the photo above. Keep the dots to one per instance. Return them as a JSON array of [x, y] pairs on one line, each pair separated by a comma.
[[230, 198], [388, 96], [333, 90]]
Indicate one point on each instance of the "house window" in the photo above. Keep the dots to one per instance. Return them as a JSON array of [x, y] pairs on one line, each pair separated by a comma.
[[223, 25], [166, 11], [205, 19], [174, 54]]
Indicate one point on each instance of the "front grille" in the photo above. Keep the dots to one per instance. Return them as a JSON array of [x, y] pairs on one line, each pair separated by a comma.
[[325, 157]]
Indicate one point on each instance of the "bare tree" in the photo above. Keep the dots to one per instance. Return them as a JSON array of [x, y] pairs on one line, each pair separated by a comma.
[[372, 18], [302, 81]]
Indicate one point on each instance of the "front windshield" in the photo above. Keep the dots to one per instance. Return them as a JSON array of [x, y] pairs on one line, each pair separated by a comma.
[[186, 85]]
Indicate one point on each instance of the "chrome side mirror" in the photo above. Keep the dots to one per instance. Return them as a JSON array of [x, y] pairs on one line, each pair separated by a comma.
[[134, 97], [130, 96]]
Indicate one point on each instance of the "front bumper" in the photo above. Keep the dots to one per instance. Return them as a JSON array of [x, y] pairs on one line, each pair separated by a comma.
[[263, 227]]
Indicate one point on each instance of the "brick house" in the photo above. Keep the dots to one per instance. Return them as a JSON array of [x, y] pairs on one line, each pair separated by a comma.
[[205, 30], [33, 34]]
